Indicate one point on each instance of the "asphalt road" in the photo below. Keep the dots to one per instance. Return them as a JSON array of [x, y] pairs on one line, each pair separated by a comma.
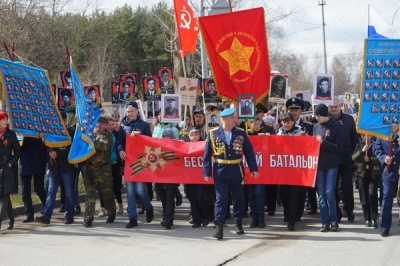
[[151, 244]]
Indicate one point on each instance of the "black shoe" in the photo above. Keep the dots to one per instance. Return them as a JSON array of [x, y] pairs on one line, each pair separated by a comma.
[[69, 220], [62, 209], [384, 233], [150, 215], [312, 212], [205, 222], [375, 224], [110, 219], [261, 224], [168, 225], [87, 223], [28, 220], [178, 201], [334, 226], [350, 217], [219, 233], [42, 219], [77, 210], [11, 224], [254, 223], [196, 225], [132, 223], [324, 228], [368, 223], [290, 226], [239, 227]]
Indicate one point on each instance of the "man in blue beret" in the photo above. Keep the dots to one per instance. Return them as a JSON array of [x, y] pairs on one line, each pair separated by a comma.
[[227, 144]]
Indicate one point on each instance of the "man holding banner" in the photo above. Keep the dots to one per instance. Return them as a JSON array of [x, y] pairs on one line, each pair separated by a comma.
[[131, 125], [227, 144]]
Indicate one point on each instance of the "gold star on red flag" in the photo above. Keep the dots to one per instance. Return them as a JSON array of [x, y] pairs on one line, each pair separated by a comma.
[[238, 57]]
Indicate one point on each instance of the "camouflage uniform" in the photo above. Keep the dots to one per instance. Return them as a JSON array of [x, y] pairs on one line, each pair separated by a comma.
[[99, 177]]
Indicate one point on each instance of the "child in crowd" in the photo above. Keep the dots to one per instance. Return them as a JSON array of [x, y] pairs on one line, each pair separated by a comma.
[[368, 169]]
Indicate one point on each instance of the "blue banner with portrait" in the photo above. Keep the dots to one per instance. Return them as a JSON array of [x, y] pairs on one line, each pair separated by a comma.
[[380, 106], [88, 113], [30, 103]]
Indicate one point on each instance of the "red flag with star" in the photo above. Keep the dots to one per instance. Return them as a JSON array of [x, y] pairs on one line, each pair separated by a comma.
[[236, 45], [188, 27]]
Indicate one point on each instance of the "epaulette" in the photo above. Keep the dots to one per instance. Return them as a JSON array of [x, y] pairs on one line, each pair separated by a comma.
[[239, 128]]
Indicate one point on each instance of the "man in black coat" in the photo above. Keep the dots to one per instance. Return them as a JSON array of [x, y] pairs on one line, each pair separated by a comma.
[[345, 173]]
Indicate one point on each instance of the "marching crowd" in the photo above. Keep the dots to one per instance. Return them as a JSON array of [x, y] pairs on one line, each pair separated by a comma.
[[344, 156]]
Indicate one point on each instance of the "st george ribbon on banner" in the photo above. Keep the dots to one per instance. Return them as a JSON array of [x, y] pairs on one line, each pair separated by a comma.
[[236, 45], [379, 95], [280, 159], [30, 103], [188, 28], [378, 27], [88, 114]]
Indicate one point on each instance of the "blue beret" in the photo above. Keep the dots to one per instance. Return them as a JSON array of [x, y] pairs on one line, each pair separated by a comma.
[[168, 133], [294, 103], [228, 112]]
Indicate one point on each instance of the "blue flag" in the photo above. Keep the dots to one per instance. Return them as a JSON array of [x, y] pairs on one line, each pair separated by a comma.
[[380, 106], [88, 113], [30, 103]]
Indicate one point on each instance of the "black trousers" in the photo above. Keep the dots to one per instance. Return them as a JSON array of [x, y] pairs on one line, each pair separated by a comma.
[[368, 191], [344, 189], [293, 199]]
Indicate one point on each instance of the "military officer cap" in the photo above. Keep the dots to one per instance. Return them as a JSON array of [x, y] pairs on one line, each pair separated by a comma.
[[132, 104], [228, 112], [261, 108], [295, 103], [212, 108], [171, 100], [103, 120], [198, 111]]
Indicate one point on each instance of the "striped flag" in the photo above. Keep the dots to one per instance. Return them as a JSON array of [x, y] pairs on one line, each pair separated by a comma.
[[378, 27]]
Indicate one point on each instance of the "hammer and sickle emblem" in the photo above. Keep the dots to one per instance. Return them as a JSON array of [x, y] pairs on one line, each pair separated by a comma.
[[186, 19]]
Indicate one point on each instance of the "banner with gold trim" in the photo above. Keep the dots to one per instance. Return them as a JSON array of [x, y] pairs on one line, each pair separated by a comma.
[[236, 45]]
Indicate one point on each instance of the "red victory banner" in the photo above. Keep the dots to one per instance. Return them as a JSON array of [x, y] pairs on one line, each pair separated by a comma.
[[188, 27], [285, 160], [236, 44]]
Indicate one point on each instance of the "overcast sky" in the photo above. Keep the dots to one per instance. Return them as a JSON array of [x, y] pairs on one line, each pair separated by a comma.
[[346, 22]]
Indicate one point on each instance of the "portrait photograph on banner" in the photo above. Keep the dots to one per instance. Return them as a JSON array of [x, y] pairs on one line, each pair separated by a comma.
[[127, 91], [171, 108], [323, 89], [115, 92], [213, 120], [188, 90], [166, 79], [348, 104], [211, 94], [66, 100], [92, 94], [151, 86], [151, 110], [66, 79], [246, 106], [129, 77], [277, 91]]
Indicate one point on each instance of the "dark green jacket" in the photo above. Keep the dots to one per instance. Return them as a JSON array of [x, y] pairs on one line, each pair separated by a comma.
[[360, 164]]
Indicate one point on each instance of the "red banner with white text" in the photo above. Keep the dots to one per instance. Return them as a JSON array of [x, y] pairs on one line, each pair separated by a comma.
[[285, 160]]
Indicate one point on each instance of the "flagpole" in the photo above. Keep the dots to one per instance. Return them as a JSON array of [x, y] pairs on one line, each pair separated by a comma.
[[185, 76], [230, 5]]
